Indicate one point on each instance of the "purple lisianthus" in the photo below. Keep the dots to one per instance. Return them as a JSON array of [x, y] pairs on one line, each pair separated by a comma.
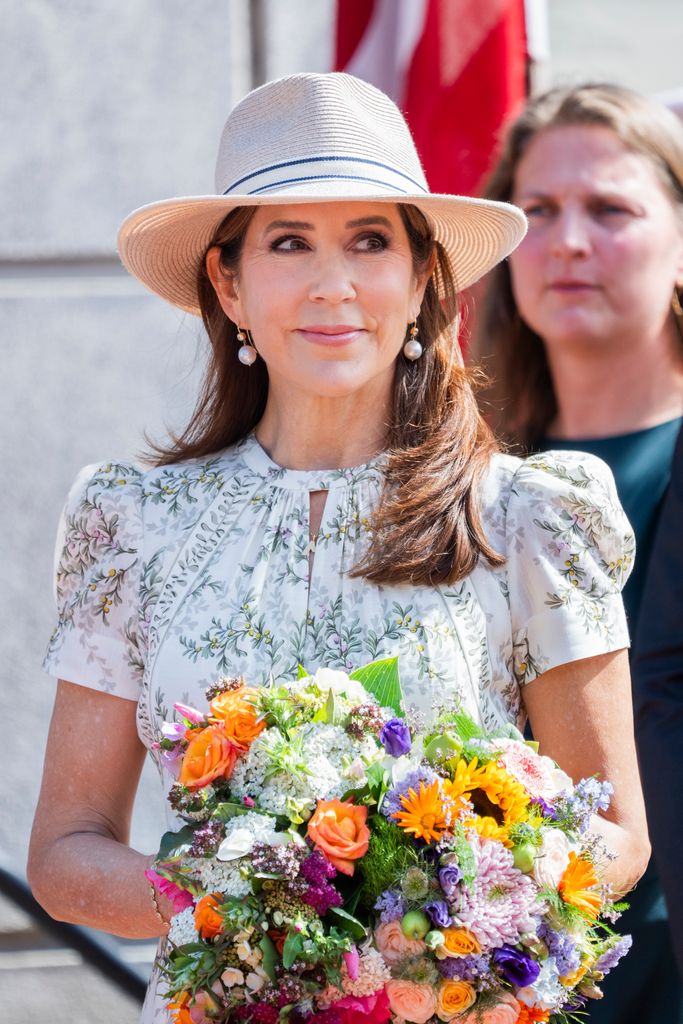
[[449, 877], [516, 967], [438, 913], [395, 737], [546, 810]]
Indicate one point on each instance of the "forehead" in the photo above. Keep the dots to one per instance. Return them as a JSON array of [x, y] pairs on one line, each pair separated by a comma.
[[583, 157], [317, 216]]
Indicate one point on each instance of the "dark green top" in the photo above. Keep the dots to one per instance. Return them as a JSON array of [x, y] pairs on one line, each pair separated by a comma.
[[641, 464]]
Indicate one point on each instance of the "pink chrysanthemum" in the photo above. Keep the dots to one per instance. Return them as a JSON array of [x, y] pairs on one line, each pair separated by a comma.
[[501, 903], [525, 765]]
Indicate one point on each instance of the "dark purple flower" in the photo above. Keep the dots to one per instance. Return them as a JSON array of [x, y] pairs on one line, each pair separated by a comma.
[[516, 967], [546, 809], [316, 868], [395, 737], [438, 912], [449, 876]]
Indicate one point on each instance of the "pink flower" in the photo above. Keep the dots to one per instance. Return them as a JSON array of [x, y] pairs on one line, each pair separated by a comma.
[[393, 944], [372, 1009], [539, 775], [179, 898], [413, 1002], [173, 730], [352, 960], [191, 714], [505, 1011]]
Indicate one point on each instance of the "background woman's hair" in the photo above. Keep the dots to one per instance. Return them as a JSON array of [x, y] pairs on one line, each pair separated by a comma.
[[520, 399], [427, 528]]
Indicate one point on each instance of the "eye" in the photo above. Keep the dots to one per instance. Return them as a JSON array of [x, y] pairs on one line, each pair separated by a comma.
[[538, 210], [607, 207], [371, 241], [289, 243]]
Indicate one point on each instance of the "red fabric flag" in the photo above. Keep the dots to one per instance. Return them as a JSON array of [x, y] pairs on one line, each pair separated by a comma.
[[457, 69]]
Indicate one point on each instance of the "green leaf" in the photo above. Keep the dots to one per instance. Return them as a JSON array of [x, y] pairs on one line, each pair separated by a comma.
[[270, 957], [301, 672], [227, 810], [294, 944], [381, 679], [348, 922], [173, 843], [466, 727]]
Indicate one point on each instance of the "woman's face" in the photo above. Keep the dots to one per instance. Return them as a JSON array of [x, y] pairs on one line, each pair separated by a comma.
[[327, 291], [604, 248]]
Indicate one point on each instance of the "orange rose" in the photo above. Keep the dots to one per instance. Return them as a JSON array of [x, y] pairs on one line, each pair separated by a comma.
[[207, 920], [339, 831], [210, 755], [235, 708], [411, 1001], [457, 942], [454, 997]]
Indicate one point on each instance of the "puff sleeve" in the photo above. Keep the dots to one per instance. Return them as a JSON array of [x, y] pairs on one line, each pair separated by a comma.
[[570, 550], [97, 639]]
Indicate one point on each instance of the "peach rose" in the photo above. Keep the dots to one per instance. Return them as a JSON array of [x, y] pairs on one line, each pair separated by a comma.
[[338, 830], [235, 708], [207, 920], [394, 945], [454, 997], [506, 1011], [413, 1002], [210, 755], [457, 942]]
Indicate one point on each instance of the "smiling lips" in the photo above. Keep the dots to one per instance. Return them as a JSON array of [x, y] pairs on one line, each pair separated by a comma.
[[331, 334]]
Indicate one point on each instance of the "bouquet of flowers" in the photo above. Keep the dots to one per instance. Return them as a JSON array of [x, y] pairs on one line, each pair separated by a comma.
[[340, 862]]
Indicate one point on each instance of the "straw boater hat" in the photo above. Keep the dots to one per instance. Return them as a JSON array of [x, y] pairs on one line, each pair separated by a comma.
[[311, 138]]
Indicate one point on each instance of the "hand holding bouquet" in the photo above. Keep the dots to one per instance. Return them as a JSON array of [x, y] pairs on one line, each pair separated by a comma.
[[339, 863]]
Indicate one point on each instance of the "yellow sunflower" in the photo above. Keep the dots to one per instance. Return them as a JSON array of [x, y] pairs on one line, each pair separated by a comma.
[[499, 800], [423, 813]]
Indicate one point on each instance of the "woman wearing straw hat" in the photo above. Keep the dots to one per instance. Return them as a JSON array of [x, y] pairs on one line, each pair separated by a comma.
[[336, 497]]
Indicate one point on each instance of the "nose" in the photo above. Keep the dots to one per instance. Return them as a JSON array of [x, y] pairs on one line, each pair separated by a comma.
[[332, 279], [571, 233]]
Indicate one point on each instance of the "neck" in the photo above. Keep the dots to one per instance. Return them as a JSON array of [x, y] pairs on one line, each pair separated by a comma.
[[309, 432], [605, 390]]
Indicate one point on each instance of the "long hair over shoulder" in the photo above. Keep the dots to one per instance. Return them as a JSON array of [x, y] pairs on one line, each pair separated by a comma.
[[520, 398], [427, 527]]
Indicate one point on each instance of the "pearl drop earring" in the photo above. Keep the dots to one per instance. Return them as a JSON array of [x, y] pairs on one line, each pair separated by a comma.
[[413, 349], [246, 353]]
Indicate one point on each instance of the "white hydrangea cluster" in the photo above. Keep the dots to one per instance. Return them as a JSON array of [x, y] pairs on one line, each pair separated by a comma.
[[226, 876], [333, 760], [216, 876], [326, 679], [182, 928]]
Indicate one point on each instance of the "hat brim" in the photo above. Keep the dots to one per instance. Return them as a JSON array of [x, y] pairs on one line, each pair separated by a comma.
[[163, 243]]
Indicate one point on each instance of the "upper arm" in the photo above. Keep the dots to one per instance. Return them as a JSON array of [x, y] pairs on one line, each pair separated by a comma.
[[581, 715], [92, 767]]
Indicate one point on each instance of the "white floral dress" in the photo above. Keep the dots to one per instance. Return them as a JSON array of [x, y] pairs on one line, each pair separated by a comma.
[[168, 578]]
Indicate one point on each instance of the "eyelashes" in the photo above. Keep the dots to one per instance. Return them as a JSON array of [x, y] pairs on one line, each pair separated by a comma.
[[368, 242]]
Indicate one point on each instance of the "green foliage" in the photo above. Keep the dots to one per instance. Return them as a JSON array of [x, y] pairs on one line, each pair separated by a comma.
[[464, 853], [175, 843], [348, 923], [381, 679], [390, 854]]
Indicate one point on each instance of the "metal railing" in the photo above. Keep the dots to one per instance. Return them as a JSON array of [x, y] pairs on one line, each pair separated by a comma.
[[93, 950]]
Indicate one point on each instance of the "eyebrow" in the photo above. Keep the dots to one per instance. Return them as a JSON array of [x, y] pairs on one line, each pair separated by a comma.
[[302, 225]]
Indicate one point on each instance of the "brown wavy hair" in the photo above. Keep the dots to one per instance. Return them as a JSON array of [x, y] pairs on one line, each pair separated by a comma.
[[427, 527], [520, 398]]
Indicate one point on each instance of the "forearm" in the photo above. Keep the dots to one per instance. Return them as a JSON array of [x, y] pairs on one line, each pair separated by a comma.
[[90, 879], [632, 854]]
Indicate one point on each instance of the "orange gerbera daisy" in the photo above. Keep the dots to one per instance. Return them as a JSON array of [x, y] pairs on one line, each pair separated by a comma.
[[423, 813], [530, 1016], [577, 886]]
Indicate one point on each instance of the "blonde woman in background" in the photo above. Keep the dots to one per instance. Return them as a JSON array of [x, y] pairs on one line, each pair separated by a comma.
[[581, 334]]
